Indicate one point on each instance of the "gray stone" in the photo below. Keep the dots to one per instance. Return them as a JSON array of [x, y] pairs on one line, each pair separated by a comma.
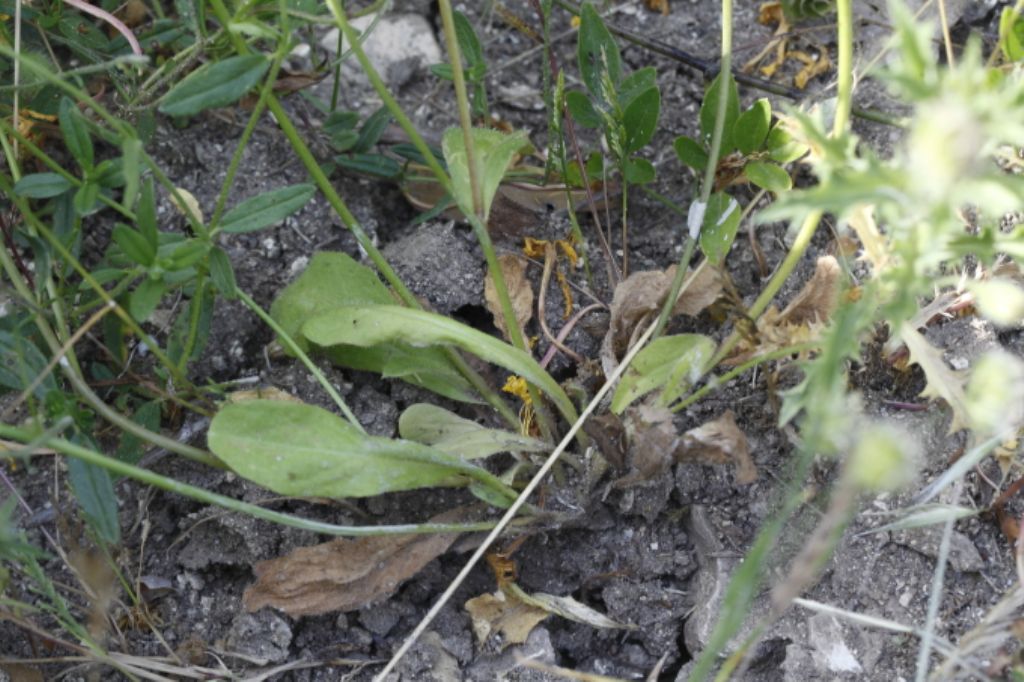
[[963, 555], [264, 635], [438, 262], [399, 46]]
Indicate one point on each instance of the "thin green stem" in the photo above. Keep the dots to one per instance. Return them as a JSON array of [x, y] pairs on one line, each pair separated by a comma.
[[462, 104], [303, 357], [206, 497], [709, 172]]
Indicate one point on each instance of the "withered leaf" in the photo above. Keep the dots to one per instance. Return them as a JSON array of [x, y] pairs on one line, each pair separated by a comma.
[[802, 319], [817, 299], [519, 290], [496, 614], [652, 440], [344, 574], [642, 294], [719, 442]]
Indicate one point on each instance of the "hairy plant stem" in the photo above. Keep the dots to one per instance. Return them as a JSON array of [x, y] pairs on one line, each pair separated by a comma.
[[303, 357], [206, 497], [709, 172], [349, 220]]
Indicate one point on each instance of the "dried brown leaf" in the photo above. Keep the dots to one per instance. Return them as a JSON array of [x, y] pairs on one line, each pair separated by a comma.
[[519, 290], [496, 614], [817, 300], [344, 574], [719, 442], [803, 318], [652, 440], [643, 293]]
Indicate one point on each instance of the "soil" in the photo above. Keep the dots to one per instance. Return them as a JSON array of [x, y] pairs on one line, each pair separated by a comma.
[[657, 556]]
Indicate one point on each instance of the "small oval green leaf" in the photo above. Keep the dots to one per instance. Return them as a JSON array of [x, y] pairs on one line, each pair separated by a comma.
[[76, 133], [768, 176], [641, 119], [41, 185], [690, 153], [751, 128], [721, 221], [214, 85], [266, 209], [134, 245]]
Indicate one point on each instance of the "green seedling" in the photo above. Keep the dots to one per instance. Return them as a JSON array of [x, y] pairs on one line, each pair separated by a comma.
[[624, 107]]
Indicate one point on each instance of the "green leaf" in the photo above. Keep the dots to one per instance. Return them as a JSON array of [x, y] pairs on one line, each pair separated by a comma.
[[671, 363], [639, 171], [370, 164], [86, 198], [76, 133], [95, 494], [269, 208], [184, 335], [581, 110], [709, 109], [636, 84], [145, 298], [721, 221], [21, 363], [134, 245], [221, 273], [340, 121], [372, 129], [188, 254], [335, 279], [768, 176], [41, 185], [1011, 34], [494, 153], [344, 140], [640, 119], [132, 448], [690, 153], [367, 327], [145, 216], [214, 85], [597, 52], [305, 451], [458, 436], [469, 44], [131, 150], [751, 128], [781, 146]]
